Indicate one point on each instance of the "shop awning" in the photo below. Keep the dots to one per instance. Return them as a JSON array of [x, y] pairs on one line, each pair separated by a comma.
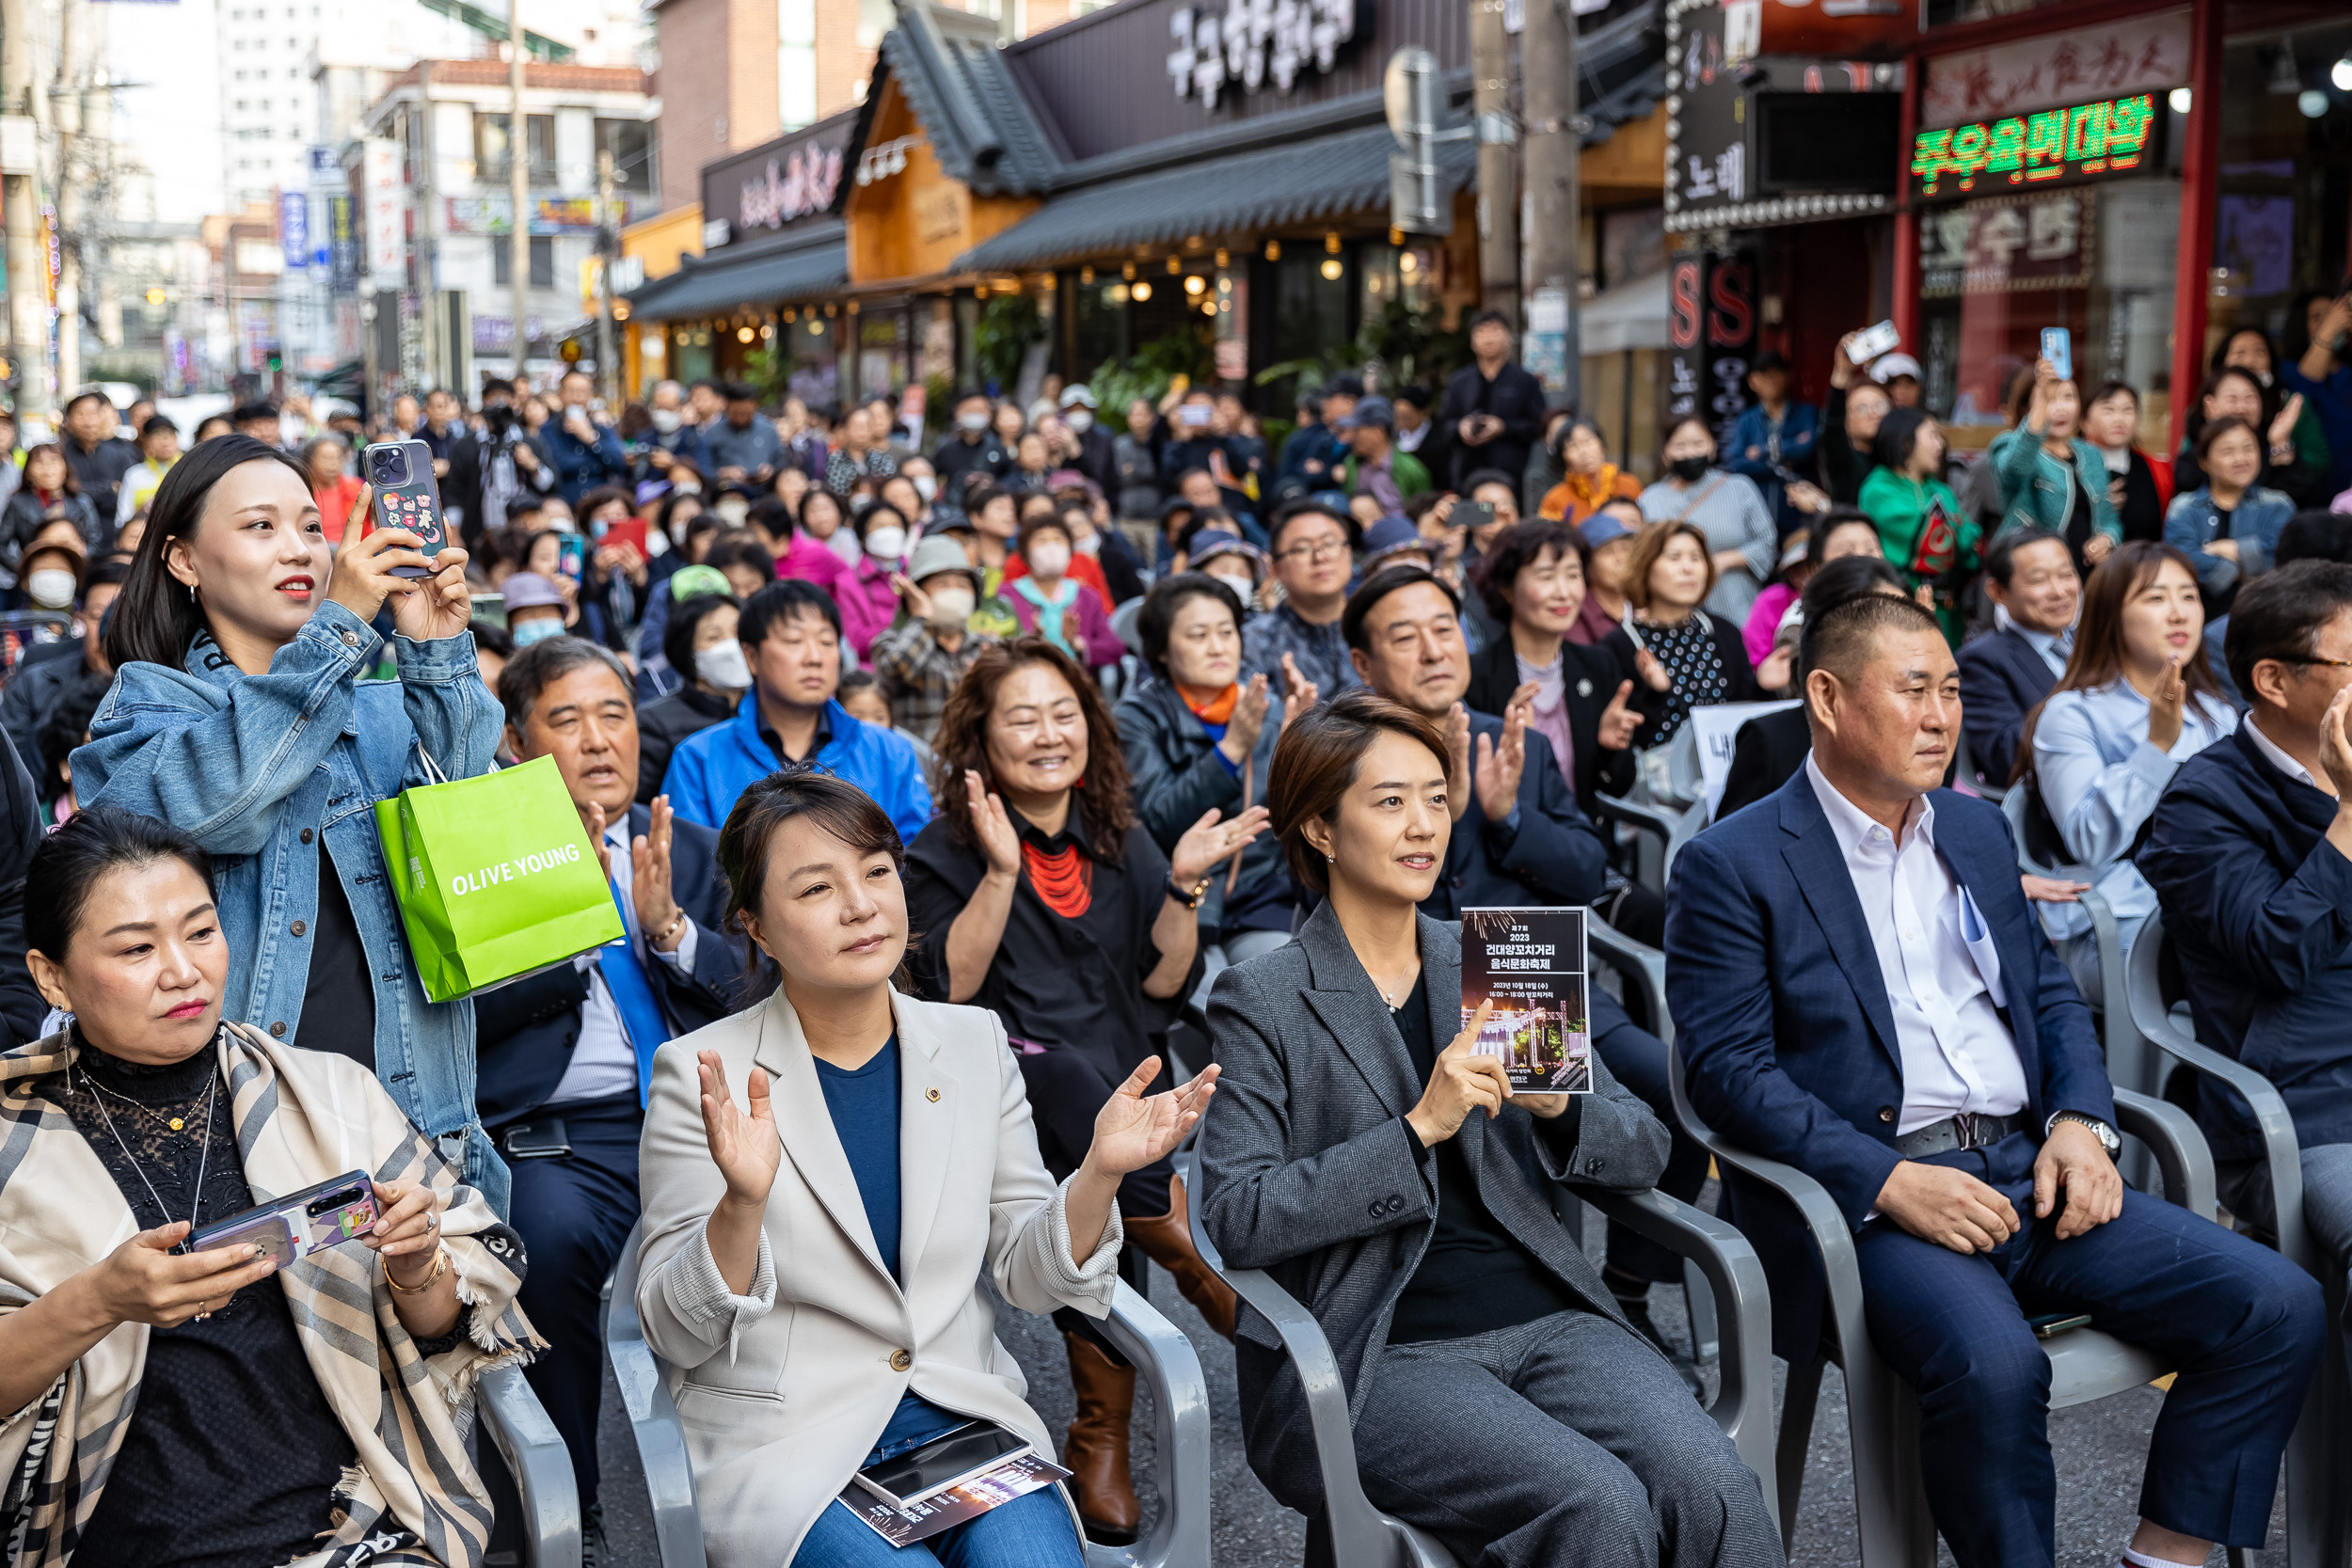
[[1244, 193], [1629, 316], [810, 269]]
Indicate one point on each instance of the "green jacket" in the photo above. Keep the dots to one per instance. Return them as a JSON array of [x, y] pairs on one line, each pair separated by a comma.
[[2038, 490], [1925, 532], [1411, 475]]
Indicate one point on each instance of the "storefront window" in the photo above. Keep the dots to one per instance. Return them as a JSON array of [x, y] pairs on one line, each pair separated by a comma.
[[1098, 324], [1994, 273], [815, 377], [690, 358], [883, 337], [2284, 199]]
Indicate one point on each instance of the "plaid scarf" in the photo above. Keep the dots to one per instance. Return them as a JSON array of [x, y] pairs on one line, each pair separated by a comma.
[[301, 1118]]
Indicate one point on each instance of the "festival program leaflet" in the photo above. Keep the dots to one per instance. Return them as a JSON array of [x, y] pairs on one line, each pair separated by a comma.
[[1531, 964]]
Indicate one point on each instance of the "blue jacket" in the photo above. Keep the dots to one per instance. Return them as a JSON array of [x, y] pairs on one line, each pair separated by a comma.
[[2193, 521], [2038, 490], [755, 447], [1800, 425], [2001, 677], [581, 466], [258, 767], [1787, 1039], [712, 766], [528, 1028], [2259, 908]]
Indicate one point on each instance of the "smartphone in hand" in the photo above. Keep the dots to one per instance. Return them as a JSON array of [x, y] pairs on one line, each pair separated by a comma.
[[298, 1224], [2058, 347], [401, 475], [1871, 341]]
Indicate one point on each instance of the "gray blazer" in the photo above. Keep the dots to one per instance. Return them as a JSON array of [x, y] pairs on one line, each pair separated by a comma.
[[1308, 1170]]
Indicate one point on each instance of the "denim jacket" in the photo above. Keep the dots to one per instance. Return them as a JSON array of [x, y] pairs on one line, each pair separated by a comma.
[[256, 767], [2194, 521]]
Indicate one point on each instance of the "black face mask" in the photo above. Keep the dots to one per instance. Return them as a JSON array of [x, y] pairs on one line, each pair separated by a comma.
[[1689, 469]]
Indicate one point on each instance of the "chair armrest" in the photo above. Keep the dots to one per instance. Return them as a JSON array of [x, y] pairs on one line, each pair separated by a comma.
[[541, 1466], [2171, 1134], [653, 1419], [1643, 967], [2280, 1150], [1179, 1405], [1641, 819], [1743, 1406], [1360, 1535]]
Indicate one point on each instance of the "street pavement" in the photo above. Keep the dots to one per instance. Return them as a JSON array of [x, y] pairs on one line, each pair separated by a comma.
[[2099, 1450]]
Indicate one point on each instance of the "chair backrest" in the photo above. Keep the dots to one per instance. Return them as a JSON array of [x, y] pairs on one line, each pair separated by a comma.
[[653, 1419], [2041, 850]]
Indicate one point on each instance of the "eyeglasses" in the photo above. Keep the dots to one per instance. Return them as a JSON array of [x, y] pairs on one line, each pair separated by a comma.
[[2330, 663], [1321, 549]]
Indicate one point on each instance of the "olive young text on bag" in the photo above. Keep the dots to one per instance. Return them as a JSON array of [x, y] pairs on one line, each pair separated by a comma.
[[495, 877]]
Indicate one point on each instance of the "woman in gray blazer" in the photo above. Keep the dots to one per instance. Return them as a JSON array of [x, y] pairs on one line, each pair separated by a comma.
[[1399, 1188], [827, 1180]]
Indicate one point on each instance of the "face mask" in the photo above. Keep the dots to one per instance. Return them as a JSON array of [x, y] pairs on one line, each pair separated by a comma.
[[1090, 545], [1049, 558], [51, 588], [667, 420], [952, 607], [925, 486], [536, 631], [972, 423], [723, 666], [887, 543], [1243, 588], [1079, 420], [733, 508], [1689, 469]]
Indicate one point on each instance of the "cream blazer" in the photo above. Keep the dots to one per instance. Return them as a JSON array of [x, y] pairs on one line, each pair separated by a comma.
[[783, 1392]]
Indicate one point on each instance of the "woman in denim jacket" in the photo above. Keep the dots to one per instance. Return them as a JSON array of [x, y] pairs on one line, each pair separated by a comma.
[[2050, 476], [240, 713], [2229, 525]]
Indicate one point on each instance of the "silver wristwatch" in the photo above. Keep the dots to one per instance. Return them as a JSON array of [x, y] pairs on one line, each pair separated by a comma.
[[2108, 1138]]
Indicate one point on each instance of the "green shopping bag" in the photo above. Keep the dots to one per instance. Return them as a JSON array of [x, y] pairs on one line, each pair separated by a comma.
[[495, 877]]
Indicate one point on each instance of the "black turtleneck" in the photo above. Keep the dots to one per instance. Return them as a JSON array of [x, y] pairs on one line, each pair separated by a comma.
[[232, 1454]]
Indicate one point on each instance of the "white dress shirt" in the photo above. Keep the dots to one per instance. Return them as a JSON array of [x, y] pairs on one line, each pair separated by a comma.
[[2278, 758], [603, 1063], [2054, 647], [1936, 954]]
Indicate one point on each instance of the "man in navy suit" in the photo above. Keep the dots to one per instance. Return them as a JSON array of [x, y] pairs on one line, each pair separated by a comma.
[[1862, 992], [2029, 575], [564, 1055], [1521, 840]]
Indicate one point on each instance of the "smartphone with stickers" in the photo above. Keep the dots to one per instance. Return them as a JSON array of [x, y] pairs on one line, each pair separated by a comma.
[[298, 1224], [401, 475]]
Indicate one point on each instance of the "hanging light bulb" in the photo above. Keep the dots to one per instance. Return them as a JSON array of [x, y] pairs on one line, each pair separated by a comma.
[[1222, 260], [1195, 283], [1274, 250], [1208, 307], [1127, 271], [815, 327], [1332, 241], [744, 334], [1331, 268], [1141, 292], [1174, 265], [791, 316], [1085, 275], [2339, 73]]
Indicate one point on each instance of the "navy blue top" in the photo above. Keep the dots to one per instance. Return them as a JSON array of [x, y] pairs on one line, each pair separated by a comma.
[[864, 1108]]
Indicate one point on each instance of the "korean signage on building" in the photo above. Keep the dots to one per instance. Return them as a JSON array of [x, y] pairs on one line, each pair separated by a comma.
[[1710, 338], [1706, 145], [294, 227], [386, 218], [2114, 135], [2115, 59], [2007, 244], [495, 215], [342, 244], [1249, 44], [792, 179]]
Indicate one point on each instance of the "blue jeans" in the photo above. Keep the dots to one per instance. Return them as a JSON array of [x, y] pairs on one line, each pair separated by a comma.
[[1032, 1531]]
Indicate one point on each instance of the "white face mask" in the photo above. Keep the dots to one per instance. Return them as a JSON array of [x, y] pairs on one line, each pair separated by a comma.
[[667, 420], [975, 423], [733, 508], [51, 588], [1243, 588], [925, 486], [1049, 558], [887, 543], [952, 607], [1090, 545], [722, 665], [1079, 420]]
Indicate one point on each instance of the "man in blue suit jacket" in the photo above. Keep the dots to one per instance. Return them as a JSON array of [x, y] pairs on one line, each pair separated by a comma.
[[566, 1055], [1520, 840], [2036, 594], [1862, 992]]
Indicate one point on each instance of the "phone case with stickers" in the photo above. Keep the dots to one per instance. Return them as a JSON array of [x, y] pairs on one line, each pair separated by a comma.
[[401, 475], [298, 1224]]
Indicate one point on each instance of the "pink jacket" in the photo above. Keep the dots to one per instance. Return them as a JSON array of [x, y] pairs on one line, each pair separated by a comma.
[[808, 560], [868, 603], [1086, 625]]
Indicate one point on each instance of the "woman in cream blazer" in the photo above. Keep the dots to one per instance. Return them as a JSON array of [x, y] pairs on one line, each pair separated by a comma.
[[821, 1299]]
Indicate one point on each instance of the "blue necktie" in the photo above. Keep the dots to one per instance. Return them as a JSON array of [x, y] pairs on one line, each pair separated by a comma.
[[632, 994]]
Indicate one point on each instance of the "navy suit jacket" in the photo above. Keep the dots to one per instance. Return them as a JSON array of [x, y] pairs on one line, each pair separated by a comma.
[[1787, 1039], [524, 1032], [2259, 908], [2001, 678]]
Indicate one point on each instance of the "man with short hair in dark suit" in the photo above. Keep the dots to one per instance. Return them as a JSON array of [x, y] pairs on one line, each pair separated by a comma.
[[2029, 575], [566, 1055], [1861, 991], [1518, 840]]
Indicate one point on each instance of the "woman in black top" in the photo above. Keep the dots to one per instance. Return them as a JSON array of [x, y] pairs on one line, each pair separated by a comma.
[[1677, 656], [1039, 895], [2235, 392]]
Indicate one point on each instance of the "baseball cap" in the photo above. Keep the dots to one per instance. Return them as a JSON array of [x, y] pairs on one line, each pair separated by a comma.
[[688, 583], [935, 553], [1602, 528], [1370, 410], [1079, 396], [1889, 366], [530, 591], [1390, 536]]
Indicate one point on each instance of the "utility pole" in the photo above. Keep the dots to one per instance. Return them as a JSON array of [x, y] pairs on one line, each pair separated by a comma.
[[608, 356], [1555, 147], [1498, 182], [28, 319], [519, 184], [428, 258], [72, 194]]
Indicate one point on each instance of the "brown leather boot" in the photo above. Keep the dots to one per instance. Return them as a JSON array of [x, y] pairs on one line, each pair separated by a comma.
[[1096, 1454], [1166, 1239]]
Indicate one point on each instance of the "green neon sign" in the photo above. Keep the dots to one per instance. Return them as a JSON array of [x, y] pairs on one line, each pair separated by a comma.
[[2114, 135]]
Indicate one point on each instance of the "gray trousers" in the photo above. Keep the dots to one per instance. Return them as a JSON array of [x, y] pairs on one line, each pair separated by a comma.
[[1563, 1441], [2245, 1190]]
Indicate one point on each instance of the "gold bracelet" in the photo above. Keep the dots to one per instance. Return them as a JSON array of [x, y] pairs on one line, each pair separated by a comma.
[[440, 1266]]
